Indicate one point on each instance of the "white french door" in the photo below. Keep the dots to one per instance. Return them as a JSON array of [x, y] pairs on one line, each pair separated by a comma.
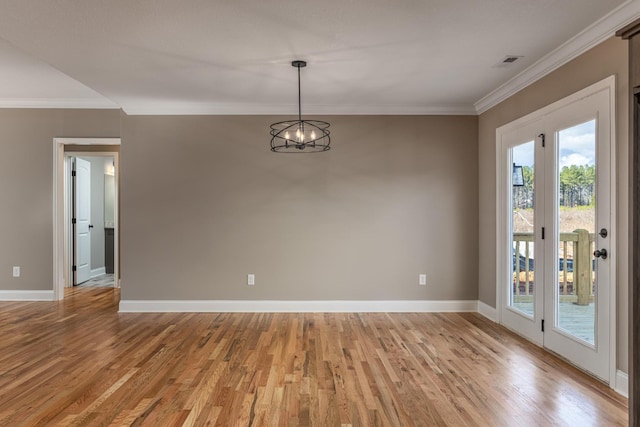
[[555, 239]]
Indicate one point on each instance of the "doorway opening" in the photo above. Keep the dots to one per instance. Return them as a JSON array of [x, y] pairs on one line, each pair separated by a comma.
[[78, 260], [93, 224]]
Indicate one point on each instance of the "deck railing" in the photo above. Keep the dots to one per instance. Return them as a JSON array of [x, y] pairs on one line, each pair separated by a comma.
[[575, 265]]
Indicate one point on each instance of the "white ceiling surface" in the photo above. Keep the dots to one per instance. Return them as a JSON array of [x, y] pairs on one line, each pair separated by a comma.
[[233, 57]]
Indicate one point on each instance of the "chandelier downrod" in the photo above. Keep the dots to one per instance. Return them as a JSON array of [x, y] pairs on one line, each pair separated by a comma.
[[299, 64]]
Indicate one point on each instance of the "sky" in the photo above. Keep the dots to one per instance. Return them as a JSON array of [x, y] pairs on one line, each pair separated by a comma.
[[576, 147]]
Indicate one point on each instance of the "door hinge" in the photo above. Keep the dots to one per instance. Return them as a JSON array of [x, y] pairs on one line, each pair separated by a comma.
[[73, 173], [542, 325], [73, 220], [542, 233], [74, 268], [542, 138]]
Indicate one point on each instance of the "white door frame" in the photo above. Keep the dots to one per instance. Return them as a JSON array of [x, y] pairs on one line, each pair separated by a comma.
[[61, 215], [502, 220]]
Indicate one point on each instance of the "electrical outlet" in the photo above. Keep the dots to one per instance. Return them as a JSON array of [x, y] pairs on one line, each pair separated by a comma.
[[422, 279], [251, 279], [16, 271]]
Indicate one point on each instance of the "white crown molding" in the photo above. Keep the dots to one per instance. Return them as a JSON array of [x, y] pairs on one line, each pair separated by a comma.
[[57, 103], [178, 109], [26, 295], [235, 306], [593, 35]]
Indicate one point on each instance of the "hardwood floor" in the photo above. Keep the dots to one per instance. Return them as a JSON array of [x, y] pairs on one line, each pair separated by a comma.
[[79, 362]]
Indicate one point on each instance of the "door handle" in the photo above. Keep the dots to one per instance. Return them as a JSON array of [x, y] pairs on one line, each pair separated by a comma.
[[600, 253], [90, 226]]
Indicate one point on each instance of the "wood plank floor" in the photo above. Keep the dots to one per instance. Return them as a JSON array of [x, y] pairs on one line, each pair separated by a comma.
[[79, 362]]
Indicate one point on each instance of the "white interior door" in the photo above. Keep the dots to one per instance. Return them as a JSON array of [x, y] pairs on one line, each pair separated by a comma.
[[82, 216], [555, 211]]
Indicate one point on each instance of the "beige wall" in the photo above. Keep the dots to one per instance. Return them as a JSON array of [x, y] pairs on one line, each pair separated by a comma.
[[204, 202], [26, 186], [608, 58]]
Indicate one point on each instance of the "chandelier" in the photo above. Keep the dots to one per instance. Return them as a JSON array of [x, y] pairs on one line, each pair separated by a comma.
[[300, 136]]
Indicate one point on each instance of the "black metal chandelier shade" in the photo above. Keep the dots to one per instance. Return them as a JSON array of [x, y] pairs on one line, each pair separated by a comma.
[[300, 136]]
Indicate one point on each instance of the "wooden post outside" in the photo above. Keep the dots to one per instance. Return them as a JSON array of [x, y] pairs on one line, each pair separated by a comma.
[[592, 248], [517, 267], [582, 267], [565, 259], [526, 267]]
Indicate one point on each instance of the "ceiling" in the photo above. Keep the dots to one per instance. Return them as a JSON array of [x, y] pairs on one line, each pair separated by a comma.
[[233, 57]]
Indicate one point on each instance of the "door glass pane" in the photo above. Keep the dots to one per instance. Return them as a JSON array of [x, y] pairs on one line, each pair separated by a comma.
[[576, 220], [522, 270]]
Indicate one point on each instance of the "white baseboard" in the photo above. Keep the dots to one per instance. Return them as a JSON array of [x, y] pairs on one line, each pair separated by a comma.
[[235, 306], [98, 272], [622, 383], [26, 295], [487, 311]]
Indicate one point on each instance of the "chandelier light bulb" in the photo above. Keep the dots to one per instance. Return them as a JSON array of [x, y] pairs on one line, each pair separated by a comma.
[[313, 135], [286, 135]]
